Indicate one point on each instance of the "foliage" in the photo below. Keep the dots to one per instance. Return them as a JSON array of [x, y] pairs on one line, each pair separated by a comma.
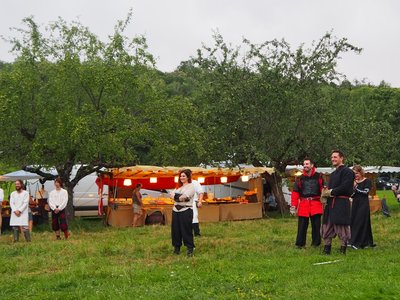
[[264, 102], [70, 98]]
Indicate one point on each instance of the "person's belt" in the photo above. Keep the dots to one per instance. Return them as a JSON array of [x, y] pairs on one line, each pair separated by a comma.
[[310, 198], [340, 197], [179, 207]]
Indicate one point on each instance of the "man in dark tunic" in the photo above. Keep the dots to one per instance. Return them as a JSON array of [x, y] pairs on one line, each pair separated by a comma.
[[336, 220]]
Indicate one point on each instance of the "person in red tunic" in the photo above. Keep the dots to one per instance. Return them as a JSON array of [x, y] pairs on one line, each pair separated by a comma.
[[306, 203]]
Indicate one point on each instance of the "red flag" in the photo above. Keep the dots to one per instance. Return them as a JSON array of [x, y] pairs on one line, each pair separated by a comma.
[[100, 206], [99, 183]]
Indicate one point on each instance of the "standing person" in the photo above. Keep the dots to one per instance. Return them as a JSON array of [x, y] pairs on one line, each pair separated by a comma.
[[32, 204], [361, 232], [137, 204], [58, 199], [182, 213], [336, 220], [385, 208], [197, 202], [41, 198], [19, 203], [396, 192], [270, 202], [305, 201]]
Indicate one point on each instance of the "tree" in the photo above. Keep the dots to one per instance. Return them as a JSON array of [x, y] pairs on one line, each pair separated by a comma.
[[71, 99], [266, 104]]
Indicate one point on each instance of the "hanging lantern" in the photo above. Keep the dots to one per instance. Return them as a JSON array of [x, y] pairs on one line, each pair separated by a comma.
[[201, 179], [176, 179], [245, 178], [127, 182], [153, 179], [224, 179]]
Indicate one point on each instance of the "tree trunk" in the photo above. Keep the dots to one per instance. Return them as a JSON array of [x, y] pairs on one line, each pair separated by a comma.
[[275, 180], [69, 210]]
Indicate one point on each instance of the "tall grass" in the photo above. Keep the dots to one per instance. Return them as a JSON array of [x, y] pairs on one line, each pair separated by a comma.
[[233, 260]]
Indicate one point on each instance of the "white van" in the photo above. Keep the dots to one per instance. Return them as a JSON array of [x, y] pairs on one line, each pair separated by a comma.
[[85, 193]]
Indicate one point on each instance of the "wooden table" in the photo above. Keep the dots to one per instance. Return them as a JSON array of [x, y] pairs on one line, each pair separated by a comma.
[[375, 205], [122, 215], [240, 211]]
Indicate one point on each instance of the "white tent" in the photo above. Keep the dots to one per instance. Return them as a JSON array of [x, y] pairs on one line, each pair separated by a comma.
[[21, 174], [294, 169]]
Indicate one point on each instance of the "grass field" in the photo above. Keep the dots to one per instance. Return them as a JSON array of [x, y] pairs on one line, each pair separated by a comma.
[[233, 260]]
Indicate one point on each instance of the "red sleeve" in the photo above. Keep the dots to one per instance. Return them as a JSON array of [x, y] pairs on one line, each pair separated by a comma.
[[295, 198]]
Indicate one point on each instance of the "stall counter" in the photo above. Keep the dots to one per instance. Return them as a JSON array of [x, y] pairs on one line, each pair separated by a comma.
[[240, 211], [122, 215]]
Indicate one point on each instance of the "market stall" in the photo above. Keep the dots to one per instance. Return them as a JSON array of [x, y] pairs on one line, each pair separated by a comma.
[[231, 193]]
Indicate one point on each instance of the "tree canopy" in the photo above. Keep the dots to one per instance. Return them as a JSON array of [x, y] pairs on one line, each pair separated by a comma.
[[72, 99]]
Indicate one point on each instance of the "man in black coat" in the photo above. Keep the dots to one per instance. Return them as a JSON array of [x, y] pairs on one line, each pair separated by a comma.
[[336, 220]]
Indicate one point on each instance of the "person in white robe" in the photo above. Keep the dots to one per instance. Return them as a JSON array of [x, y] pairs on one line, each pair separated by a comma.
[[19, 203]]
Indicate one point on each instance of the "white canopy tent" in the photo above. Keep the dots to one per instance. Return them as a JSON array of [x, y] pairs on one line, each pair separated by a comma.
[[20, 174], [292, 169]]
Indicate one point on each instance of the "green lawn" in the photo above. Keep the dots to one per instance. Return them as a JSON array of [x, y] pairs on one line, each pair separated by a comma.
[[233, 260]]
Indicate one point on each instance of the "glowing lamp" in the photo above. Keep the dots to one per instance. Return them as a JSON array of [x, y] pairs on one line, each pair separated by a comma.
[[245, 178], [201, 179], [176, 179], [127, 182], [224, 179], [153, 179]]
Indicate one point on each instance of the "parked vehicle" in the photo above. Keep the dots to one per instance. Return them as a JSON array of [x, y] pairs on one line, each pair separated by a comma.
[[392, 182], [381, 182], [85, 194]]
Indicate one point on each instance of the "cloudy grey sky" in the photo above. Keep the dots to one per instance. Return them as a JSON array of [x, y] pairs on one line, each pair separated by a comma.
[[176, 28]]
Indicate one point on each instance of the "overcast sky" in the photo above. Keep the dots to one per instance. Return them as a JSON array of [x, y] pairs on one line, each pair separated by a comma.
[[176, 28]]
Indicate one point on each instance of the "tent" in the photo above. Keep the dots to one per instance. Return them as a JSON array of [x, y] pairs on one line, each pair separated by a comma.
[[21, 174], [294, 169], [121, 181], [159, 178]]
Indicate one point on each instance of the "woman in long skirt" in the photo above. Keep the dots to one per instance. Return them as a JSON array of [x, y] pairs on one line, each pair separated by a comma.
[[361, 232]]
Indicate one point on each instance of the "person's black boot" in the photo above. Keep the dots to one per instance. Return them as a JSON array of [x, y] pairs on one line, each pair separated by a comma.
[[190, 252], [196, 229], [343, 250], [327, 250], [177, 250], [15, 235], [27, 235]]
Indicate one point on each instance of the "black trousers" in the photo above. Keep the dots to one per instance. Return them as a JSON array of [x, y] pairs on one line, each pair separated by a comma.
[[181, 228], [196, 229], [315, 230]]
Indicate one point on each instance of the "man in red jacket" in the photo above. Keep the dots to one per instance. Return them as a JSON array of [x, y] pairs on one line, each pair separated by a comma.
[[306, 203]]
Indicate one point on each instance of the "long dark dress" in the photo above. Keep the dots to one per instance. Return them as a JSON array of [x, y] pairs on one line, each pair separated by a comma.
[[361, 232]]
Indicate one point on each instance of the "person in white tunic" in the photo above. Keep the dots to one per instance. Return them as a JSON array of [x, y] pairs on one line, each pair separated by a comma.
[[198, 198], [182, 213], [58, 199], [19, 203]]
